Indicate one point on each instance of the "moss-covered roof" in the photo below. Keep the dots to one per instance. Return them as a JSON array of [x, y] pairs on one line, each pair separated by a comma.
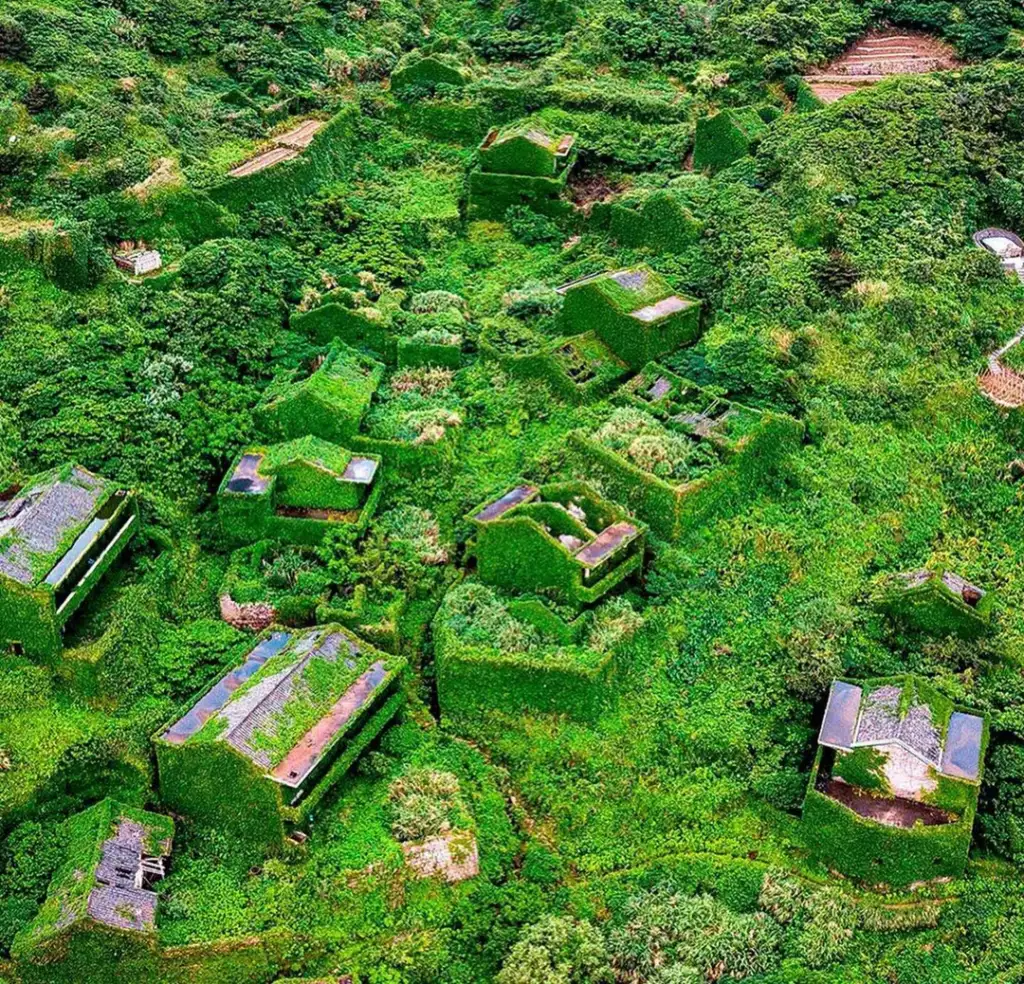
[[629, 290], [533, 132], [346, 379], [313, 450], [40, 522], [293, 698], [100, 844]]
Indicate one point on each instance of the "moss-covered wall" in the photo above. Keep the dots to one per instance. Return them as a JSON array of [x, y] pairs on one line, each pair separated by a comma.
[[212, 785], [492, 194], [28, 616], [725, 137], [874, 852], [475, 678]]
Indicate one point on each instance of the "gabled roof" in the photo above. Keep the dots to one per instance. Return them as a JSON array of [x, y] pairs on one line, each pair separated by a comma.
[[907, 712], [559, 144], [39, 522], [637, 291], [345, 378], [951, 581], [292, 698]]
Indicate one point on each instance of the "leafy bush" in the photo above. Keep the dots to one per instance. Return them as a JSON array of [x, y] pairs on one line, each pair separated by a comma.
[[557, 950]]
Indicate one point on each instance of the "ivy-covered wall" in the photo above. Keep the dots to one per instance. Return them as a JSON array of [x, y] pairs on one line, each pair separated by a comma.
[[329, 403], [28, 616], [413, 353], [725, 137], [874, 852], [418, 74], [213, 786], [604, 306], [331, 321], [935, 610], [491, 194], [578, 369], [659, 221], [92, 954], [569, 679]]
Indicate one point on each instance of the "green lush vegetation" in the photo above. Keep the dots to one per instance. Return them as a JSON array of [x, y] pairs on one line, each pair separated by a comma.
[[633, 775]]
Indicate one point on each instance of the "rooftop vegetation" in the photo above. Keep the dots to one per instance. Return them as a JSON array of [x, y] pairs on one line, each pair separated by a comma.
[[638, 769]]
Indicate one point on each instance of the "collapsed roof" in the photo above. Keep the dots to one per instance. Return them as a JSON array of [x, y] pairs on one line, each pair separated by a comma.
[[113, 855]]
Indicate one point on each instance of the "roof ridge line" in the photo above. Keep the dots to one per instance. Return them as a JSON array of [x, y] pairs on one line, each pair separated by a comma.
[[292, 670]]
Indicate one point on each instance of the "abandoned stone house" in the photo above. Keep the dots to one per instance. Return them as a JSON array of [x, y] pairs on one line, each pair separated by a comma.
[[59, 533], [895, 783], [261, 746], [635, 312], [115, 856], [296, 491], [521, 164], [561, 538]]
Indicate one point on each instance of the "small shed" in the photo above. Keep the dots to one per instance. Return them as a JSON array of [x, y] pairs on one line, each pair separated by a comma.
[[138, 261], [59, 533], [523, 164]]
